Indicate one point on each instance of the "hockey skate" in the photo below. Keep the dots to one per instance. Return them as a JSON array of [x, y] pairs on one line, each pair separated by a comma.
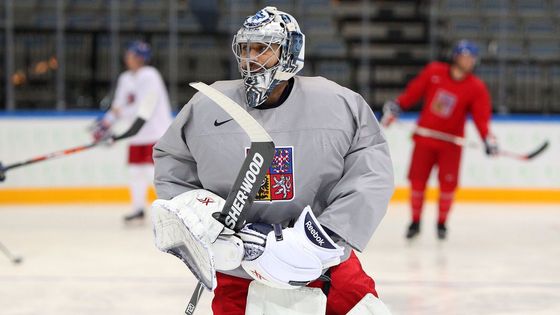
[[413, 230], [137, 216], [441, 231]]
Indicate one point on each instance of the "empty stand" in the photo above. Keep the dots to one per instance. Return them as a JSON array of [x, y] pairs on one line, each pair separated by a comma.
[[380, 45], [521, 38]]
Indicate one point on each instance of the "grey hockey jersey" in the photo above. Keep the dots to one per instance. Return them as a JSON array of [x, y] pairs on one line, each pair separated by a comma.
[[330, 154]]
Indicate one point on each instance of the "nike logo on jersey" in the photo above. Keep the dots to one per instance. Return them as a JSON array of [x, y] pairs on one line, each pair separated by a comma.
[[216, 123]]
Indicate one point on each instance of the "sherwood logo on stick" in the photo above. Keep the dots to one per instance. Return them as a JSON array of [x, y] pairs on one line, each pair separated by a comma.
[[253, 170], [244, 190]]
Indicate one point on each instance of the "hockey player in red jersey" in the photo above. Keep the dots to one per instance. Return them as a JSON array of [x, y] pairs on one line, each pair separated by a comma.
[[449, 93]]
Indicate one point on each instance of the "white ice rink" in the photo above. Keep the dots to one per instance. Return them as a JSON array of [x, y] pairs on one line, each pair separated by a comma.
[[499, 259]]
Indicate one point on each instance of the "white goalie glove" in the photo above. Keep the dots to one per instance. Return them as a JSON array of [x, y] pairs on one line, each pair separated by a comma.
[[299, 258], [184, 227]]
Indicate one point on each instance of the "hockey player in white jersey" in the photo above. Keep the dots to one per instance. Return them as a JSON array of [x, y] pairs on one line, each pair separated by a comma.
[[141, 103], [328, 186]]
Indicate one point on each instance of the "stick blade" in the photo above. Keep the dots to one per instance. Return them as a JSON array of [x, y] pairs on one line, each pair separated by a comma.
[[538, 151]]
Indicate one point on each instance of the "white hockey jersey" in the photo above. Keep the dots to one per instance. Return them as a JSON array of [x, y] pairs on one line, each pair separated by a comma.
[[143, 88]]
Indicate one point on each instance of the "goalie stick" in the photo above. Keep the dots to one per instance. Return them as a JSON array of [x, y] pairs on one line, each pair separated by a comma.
[[250, 176], [460, 141]]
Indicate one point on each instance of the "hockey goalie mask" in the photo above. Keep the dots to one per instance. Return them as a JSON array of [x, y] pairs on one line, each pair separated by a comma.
[[270, 33]]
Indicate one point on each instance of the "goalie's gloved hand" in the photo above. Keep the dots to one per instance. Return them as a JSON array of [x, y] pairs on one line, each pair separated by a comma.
[[491, 146], [391, 112], [185, 227], [299, 258]]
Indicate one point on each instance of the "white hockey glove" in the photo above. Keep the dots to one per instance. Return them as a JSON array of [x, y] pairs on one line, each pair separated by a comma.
[[391, 112], [184, 227], [299, 258], [491, 147], [101, 128], [101, 131]]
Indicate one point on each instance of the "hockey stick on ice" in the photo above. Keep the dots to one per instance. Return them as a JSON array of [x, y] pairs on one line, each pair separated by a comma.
[[132, 130], [460, 141], [14, 259], [104, 105], [53, 155], [251, 174]]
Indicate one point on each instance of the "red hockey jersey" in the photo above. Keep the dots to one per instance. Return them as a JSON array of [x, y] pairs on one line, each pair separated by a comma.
[[446, 101]]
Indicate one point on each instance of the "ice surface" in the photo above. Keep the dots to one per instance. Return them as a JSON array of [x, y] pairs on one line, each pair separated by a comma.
[[498, 259]]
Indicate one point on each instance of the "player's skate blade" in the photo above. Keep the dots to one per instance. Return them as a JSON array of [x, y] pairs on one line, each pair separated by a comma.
[[441, 231], [413, 230]]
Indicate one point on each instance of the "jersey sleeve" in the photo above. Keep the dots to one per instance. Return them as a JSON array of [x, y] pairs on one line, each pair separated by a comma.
[[481, 110], [415, 89], [358, 202], [175, 167]]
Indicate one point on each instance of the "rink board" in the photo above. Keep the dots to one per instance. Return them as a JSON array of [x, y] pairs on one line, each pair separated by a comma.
[[99, 175]]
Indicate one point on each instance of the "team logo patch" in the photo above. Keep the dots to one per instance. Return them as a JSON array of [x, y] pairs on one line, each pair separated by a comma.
[[278, 184], [130, 99], [443, 103]]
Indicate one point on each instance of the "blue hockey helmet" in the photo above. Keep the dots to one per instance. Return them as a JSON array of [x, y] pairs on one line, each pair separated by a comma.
[[465, 47], [140, 49]]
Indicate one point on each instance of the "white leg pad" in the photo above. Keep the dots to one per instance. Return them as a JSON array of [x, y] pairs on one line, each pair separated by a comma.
[[369, 305], [265, 300]]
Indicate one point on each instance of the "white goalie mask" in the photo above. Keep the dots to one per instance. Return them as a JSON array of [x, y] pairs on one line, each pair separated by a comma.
[[275, 31]]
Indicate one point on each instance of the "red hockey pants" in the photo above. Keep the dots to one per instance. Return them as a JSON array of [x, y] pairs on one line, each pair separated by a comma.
[[428, 153], [349, 284]]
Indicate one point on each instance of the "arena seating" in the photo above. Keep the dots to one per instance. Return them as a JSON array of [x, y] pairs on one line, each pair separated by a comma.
[[519, 41]]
